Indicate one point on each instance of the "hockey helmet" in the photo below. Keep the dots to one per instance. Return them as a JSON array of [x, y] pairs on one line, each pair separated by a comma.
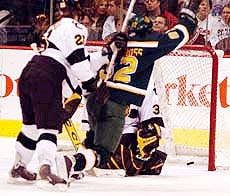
[[139, 24]]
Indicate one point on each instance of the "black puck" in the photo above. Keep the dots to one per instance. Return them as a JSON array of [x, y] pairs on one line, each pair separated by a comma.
[[190, 163]]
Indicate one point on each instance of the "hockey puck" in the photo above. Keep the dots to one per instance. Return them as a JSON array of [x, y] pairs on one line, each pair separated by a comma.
[[190, 163]]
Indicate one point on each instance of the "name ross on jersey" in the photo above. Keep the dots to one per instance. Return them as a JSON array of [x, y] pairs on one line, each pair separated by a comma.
[[134, 52]]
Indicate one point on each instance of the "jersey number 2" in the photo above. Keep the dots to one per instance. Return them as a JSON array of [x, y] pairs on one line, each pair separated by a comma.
[[124, 74]]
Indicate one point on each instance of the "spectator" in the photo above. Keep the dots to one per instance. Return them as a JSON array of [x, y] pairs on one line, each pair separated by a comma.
[[226, 14], [87, 20], [206, 22], [155, 8], [139, 7], [222, 30], [160, 24], [114, 22], [99, 16], [218, 6]]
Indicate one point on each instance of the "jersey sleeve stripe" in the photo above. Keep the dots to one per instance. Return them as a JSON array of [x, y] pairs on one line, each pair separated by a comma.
[[77, 56]]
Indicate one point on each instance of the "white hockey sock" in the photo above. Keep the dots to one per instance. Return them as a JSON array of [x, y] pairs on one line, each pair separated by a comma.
[[46, 152]]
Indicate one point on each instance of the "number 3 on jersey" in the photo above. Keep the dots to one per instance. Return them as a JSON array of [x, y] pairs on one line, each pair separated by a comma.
[[124, 74]]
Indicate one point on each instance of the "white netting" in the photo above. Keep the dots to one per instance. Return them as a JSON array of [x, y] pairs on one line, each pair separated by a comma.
[[184, 80]]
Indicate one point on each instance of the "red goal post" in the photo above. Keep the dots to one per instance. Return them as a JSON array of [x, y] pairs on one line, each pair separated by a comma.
[[198, 60]]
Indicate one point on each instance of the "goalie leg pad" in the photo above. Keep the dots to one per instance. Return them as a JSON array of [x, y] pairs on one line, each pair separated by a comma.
[[154, 165], [123, 158]]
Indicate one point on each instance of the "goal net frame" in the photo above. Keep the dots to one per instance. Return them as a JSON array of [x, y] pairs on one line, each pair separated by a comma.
[[95, 45]]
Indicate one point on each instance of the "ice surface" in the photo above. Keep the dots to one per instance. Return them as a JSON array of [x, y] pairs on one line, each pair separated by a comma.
[[175, 180]]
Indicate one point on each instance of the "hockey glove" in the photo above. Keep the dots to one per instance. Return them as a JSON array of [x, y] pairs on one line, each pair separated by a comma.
[[187, 15], [120, 40], [117, 41], [148, 139], [70, 105]]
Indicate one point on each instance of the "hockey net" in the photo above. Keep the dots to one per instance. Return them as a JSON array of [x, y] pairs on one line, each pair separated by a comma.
[[186, 82]]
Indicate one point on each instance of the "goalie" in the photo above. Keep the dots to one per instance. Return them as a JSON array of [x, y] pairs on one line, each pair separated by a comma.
[[137, 152]]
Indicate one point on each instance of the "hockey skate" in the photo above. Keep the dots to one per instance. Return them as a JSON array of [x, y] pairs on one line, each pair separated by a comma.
[[50, 181], [65, 167], [20, 175]]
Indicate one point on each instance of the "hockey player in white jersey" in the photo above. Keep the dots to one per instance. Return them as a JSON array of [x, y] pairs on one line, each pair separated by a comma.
[[62, 63]]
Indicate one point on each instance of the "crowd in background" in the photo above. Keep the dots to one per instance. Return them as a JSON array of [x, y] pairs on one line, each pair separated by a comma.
[[104, 17]]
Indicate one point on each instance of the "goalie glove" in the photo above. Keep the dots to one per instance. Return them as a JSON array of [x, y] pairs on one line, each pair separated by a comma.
[[70, 105], [187, 15], [148, 139]]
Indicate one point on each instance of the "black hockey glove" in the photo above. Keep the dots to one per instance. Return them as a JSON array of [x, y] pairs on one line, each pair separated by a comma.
[[119, 41], [90, 85], [102, 93], [187, 15], [192, 5]]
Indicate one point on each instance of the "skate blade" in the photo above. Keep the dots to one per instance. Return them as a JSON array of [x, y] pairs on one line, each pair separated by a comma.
[[74, 178], [46, 185], [20, 181]]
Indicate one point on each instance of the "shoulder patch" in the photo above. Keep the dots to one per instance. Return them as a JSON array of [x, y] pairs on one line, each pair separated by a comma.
[[173, 35]]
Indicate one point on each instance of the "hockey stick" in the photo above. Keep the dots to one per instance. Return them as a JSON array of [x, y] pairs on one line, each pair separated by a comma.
[[123, 28], [73, 135]]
